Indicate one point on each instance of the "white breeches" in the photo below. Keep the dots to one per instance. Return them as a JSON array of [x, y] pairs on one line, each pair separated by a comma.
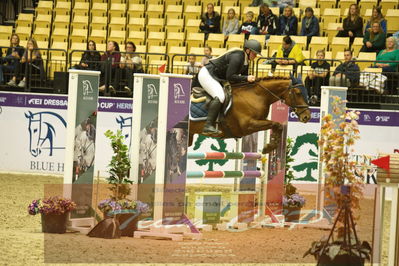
[[210, 85]]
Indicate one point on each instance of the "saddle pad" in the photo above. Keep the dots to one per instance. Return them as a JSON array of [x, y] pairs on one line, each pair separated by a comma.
[[198, 111]]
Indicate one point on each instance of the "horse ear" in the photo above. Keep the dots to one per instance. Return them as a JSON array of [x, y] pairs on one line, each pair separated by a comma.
[[29, 116]]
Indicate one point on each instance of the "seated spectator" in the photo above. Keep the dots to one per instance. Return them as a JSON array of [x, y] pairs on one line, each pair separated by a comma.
[[378, 17], [31, 58], [90, 58], [267, 21], [130, 64], [230, 25], [13, 55], [288, 22], [352, 24], [389, 69], [317, 77], [270, 3], [374, 39], [249, 26], [289, 49], [310, 25], [210, 21], [208, 55], [110, 63], [192, 67], [346, 74]]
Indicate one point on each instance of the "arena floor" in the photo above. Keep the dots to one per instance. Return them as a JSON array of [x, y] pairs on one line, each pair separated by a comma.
[[22, 243]]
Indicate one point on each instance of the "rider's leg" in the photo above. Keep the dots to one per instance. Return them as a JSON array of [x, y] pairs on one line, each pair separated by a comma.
[[213, 88]]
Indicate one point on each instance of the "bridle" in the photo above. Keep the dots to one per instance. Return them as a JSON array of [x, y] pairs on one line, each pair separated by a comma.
[[292, 96]]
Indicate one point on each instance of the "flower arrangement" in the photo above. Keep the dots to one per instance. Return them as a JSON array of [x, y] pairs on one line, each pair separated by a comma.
[[119, 168], [294, 200], [111, 206], [51, 205]]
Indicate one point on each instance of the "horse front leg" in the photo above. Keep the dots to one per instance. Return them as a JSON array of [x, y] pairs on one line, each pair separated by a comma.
[[261, 125]]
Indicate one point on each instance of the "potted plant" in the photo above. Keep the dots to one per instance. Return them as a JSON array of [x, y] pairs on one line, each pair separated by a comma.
[[54, 213], [118, 205], [338, 134], [292, 201]]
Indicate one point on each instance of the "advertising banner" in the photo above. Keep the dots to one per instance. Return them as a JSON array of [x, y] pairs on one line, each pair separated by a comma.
[[32, 135], [81, 138], [144, 144], [172, 141]]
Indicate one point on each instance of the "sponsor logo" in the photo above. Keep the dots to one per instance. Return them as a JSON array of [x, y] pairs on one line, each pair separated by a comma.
[[152, 92], [20, 100], [50, 102], [382, 118], [105, 105], [178, 91], [42, 128], [367, 118], [3, 99], [87, 90]]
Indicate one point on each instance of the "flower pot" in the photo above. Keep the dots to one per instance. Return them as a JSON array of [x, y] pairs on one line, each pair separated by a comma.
[[54, 223], [341, 260], [291, 214], [130, 226]]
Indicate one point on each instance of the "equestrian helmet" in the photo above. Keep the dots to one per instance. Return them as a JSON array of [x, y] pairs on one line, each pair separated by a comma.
[[254, 46]]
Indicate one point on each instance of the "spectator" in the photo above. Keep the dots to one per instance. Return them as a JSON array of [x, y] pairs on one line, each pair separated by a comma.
[[289, 49], [390, 53], [90, 58], [31, 57], [208, 55], [346, 74], [270, 3], [377, 16], [317, 77], [310, 25], [352, 24], [111, 57], [210, 21], [13, 55], [230, 25], [130, 64], [249, 26], [374, 39], [192, 67], [288, 22], [267, 21]]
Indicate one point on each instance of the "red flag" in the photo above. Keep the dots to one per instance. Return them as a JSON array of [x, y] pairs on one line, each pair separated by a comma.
[[162, 68], [382, 162]]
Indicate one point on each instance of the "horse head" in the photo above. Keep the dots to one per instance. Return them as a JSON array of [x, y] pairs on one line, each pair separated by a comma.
[[296, 97], [87, 88], [34, 129]]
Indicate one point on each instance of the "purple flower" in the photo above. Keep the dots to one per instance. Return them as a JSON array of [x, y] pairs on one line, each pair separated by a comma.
[[294, 200], [54, 205]]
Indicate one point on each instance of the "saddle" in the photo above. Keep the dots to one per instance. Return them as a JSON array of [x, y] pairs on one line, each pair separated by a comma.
[[200, 100]]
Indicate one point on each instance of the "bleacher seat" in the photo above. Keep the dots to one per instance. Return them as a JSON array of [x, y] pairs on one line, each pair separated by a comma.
[[174, 25], [6, 31], [156, 38], [62, 8], [174, 11], [98, 36], [98, 23], [81, 22], [192, 26], [156, 49], [215, 40], [331, 15], [25, 20], [338, 44], [62, 21], [366, 56], [175, 39], [99, 9], [137, 37], [300, 41], [23, 32], [117, 23], [81, 9], [235, 40], [136, 24], [117, 10], [118, 36], [155, 11], [318, 43], [323, 4], [259, 38], [195, 40], [192, 12], [344, 5], [366, 4], [44, 7], [155, 24], [218, 51], [393, 20], [41, 34], [388, 5], [274, 42], [136, 10], [173, 50]]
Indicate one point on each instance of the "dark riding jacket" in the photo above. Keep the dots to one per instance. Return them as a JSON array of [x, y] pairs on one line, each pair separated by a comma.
[[229, 67]]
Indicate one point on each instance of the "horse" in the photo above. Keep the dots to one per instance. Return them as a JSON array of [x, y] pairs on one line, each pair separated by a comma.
[[250, 108], [41, 131]]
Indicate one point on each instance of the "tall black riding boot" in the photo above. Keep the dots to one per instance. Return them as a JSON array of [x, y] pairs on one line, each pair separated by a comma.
[[213, 112]]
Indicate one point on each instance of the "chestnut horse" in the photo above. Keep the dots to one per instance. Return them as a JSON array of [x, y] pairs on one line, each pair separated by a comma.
[[250, 108]]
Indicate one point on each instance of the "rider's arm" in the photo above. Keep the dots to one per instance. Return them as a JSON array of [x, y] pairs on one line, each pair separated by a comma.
[[236, 60]]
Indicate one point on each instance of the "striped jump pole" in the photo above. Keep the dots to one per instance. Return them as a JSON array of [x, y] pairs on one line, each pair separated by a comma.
[[225, 156], [225, 174]]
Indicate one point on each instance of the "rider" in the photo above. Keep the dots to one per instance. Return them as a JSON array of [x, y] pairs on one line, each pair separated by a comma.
[[232, 67]]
